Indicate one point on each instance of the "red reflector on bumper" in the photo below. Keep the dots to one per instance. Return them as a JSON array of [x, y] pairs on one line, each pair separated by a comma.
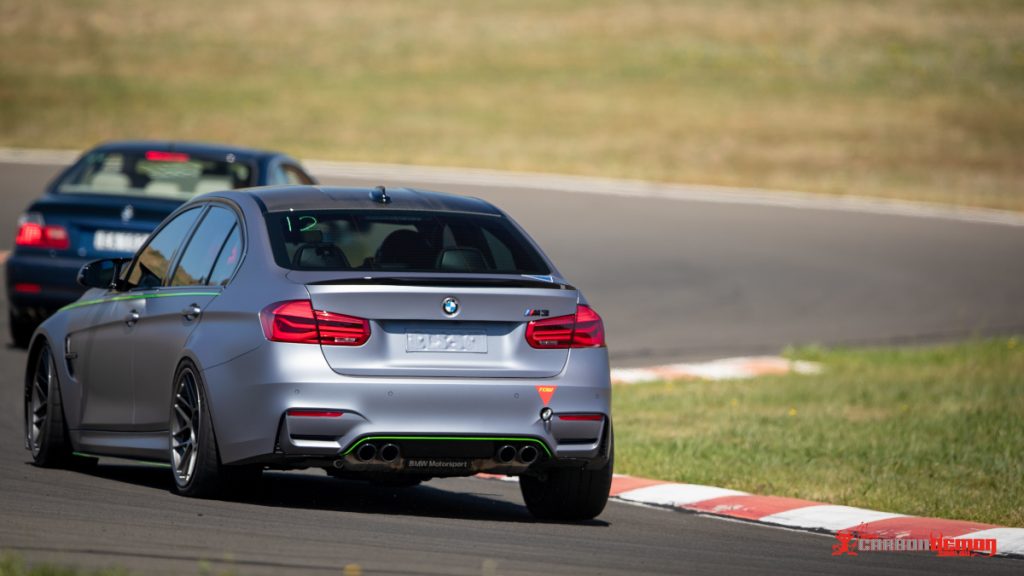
[[581, 417], [315, 413], [27, 288]]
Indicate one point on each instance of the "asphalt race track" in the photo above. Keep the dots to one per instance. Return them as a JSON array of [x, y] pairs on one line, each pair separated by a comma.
[[685, 280], [674, 280]]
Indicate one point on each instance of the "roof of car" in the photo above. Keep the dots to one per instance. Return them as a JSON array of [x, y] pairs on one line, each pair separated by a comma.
[[280, 198], [198, 148]]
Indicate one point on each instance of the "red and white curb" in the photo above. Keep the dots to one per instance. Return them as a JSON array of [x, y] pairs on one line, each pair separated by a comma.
[[802, 514], [724, 369]]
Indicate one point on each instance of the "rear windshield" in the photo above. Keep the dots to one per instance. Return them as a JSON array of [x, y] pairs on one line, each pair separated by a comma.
[[155, 174], [401, 241]]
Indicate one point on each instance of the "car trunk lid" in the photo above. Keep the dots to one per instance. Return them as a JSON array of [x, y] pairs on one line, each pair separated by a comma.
[[480, 334], [103, 226]]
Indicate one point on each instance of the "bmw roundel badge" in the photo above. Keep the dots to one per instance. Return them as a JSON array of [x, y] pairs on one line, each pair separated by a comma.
[[450, 306]]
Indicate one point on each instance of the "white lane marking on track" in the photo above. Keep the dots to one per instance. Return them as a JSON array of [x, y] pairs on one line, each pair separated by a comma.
[[1008, 540], [607, 187], [723, 369], [37, 157], [677, 494], [647, 506], [827, 517], [644, 189]]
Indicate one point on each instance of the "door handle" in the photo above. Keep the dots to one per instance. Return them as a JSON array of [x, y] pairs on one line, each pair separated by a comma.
[[191, 312], [131, 318]]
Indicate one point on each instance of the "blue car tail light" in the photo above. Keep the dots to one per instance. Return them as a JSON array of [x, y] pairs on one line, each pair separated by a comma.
[[33, 232]]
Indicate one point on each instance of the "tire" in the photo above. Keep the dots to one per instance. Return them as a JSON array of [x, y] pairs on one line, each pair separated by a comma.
[[21, 331], [194, 457], [568, 494], [45, 428]]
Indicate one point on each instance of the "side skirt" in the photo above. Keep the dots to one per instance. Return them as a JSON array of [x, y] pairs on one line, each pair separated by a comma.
[[139, 445]]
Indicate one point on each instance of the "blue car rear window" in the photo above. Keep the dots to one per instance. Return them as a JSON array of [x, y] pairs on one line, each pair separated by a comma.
[[155, 174]]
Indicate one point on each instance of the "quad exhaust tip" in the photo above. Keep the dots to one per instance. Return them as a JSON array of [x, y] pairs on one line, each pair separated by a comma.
[[528, 454], [366, 452], [389, 453], [506, 454]]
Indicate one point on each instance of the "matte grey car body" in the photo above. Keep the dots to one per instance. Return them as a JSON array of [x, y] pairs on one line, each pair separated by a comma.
[[435, 369]]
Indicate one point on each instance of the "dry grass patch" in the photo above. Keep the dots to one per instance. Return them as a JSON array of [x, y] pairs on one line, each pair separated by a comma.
[[906, 98]]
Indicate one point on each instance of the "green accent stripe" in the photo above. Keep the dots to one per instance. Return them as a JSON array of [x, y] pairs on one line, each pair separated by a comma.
[[470, 438], [136, 297]]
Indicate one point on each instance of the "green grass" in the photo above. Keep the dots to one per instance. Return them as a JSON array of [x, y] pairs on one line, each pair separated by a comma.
[[936, 431], [916, 99], [13, 565]]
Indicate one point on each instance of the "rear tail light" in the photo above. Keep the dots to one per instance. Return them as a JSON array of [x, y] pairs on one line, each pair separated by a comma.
[[589, 331], [341, 330], [551, 332], [296, 321], [581, 330], [290, 322], [315, 413], [28, 288], [34, 233], [581, 417], [162, 156]]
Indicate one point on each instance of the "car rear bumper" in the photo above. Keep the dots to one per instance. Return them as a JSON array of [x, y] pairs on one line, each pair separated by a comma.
[[39, 284], [426, 418]]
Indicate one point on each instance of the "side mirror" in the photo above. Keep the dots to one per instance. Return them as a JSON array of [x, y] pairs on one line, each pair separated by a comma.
[[101, 273]]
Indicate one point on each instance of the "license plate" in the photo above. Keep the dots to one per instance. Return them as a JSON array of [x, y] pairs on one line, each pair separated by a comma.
[[112, 241], [463, 342]]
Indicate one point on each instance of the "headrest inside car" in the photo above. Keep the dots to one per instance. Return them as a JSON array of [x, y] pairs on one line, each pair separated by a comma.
[[312, 237], [461, 259], [325, 256], [405, 249]]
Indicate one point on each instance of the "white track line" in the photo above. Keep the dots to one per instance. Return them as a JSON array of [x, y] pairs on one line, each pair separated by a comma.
[[37, 156], [677, 494], [827, 517], [644, 189], [722, 369], [606, 187], [1008, 540]]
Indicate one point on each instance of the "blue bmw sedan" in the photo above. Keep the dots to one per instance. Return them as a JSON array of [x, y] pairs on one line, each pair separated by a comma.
[[106, 204]]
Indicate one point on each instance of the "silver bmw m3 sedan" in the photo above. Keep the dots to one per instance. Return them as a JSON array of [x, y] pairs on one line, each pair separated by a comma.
[[389, 335]]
